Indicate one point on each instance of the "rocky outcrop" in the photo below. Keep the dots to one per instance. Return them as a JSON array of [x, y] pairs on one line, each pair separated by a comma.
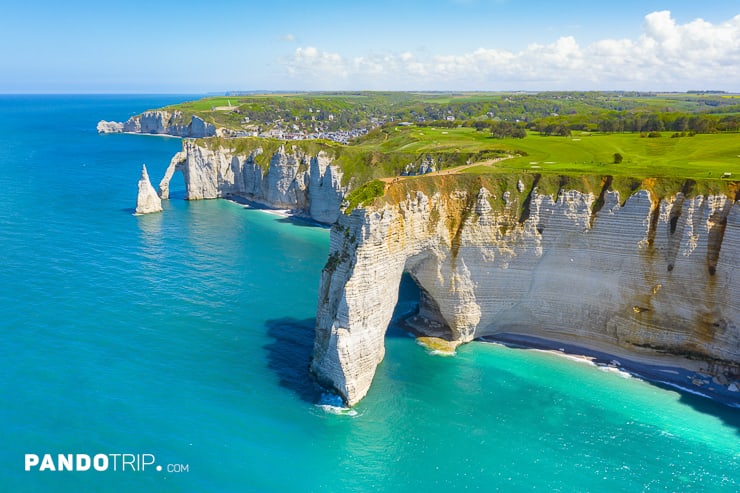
[[147, 201], [325, 189], [290, 178], [161, 122], [427, 165], [105, 127], [651, 277]]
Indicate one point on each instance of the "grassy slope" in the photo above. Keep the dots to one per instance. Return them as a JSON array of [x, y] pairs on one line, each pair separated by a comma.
[[662, 165], [386, 151], [699, 157], [579, 161]]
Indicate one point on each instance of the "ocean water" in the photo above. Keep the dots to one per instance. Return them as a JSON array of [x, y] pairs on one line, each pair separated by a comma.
[[185, 337]]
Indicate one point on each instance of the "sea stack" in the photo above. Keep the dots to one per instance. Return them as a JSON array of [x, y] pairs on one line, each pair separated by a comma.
[[147, 201]]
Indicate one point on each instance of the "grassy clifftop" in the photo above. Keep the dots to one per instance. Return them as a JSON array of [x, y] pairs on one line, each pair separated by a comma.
[[408, 130], [702, 156], [385, 153], [360, 163]]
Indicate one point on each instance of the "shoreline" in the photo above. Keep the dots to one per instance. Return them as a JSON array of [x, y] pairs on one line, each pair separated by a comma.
[[143, 133], [662, 374], [288, 214], [154, 135]]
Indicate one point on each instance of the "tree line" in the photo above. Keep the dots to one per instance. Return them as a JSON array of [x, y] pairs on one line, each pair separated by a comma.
[[501, 129], [650, 124], [630, 122]]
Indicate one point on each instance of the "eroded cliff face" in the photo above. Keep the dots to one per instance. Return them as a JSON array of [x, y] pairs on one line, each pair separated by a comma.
[[650, 277], [288, 179], [160, 122]]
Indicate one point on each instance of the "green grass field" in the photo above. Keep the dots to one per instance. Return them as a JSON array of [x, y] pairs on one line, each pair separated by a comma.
[[701, 157], [583, 157]]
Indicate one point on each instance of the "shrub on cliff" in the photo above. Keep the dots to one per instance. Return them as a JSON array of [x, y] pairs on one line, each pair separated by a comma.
[[364, 194]]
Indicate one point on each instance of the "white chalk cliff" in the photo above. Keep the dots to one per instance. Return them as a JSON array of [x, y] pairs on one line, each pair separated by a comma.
[[147, 201], [105, 127], [649, 278], [290, 178], [160, 122]]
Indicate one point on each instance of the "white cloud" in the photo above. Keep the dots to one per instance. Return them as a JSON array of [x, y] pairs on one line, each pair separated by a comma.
[[289, 38], [667, 55], [310, 62]]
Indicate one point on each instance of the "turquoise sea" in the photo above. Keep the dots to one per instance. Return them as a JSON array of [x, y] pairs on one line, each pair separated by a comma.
[[186, 336]]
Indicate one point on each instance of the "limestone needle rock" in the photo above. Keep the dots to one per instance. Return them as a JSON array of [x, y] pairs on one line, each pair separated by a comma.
[[147, 201]]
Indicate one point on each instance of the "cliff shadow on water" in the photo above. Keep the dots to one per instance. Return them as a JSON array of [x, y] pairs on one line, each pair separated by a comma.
[[302, 221], [729, 415], [289, 355]]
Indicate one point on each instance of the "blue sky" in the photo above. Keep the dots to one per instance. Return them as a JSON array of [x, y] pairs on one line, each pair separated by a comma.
[[195, 47]]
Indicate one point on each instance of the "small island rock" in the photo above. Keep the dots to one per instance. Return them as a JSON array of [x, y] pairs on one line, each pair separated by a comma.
[[105, 127], [147, 201]]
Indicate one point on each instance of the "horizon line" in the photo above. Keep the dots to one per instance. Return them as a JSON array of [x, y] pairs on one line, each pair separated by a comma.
[[239, 92]]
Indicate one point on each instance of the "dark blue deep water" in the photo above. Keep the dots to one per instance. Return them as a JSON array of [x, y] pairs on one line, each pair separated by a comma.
[[186, 335]]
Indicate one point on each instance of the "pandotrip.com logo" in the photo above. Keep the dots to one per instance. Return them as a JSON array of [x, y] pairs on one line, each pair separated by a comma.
[[99, 463]]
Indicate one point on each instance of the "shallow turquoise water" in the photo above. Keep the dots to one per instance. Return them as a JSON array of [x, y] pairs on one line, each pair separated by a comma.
[[187, 335]]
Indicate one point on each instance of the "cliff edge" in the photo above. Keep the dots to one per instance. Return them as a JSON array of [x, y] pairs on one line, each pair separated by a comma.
[[271, 173], [644, 270]]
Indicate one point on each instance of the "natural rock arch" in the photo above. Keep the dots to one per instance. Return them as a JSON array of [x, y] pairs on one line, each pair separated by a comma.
[[293, 179], [613, 278], [175, 165]]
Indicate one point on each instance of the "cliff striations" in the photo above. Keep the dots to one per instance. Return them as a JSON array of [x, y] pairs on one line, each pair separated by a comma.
[[647, 273], [280, 178], [160, 122]]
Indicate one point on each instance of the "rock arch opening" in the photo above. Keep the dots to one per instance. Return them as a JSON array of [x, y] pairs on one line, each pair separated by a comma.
[[176, 164], [176, 187], [417, 311]]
